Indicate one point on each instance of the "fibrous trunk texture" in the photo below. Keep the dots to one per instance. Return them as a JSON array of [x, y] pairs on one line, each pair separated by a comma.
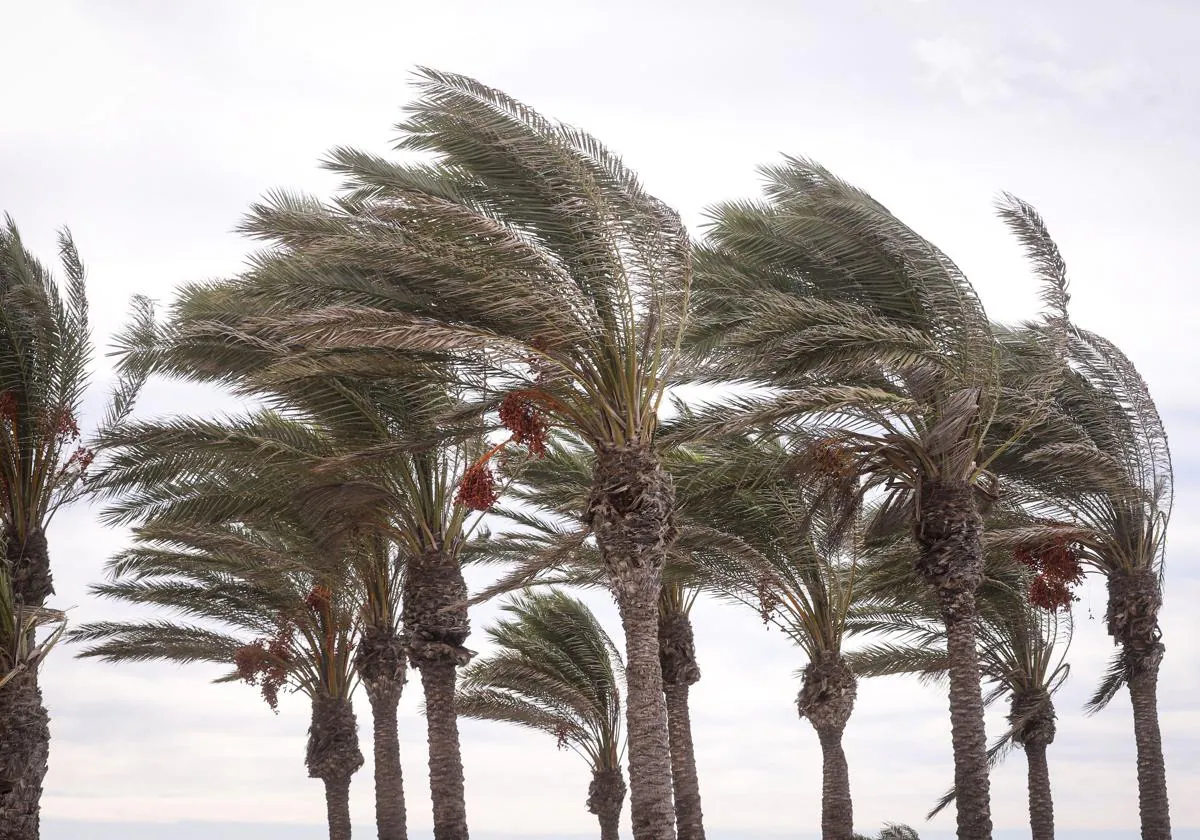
[[436, 624], [24, 755], [381, 662], [949, 531], [333, 757], [630, 510], [337, 808], [606, 797], [1032, 720], [677, 656], [827, 699], [28, 566], [1134, 599]]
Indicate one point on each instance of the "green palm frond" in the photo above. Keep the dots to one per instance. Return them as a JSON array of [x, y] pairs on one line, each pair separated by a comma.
[[555, 670], [1115, 676], [1098, 465], [522, 240], [230, 588], [45, 354]]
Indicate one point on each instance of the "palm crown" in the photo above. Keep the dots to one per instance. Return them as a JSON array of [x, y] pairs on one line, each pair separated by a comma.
[[555, 670]]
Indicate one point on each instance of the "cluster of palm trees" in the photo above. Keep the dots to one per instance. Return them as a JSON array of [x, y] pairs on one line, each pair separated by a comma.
[[475, 356]]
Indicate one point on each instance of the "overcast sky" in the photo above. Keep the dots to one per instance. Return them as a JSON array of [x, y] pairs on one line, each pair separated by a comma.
[[149, 127]]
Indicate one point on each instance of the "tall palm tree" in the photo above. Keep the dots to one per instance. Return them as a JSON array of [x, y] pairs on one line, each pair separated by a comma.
[[552, 548], [1099, 469], [45, 354], [371, 466], [1022, 651], [556, 670], [875, 349], [529, 252], [757, 540], [285, 615]]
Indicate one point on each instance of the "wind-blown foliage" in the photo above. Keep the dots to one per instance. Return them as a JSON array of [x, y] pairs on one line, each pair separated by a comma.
[[555, 670], [531, 255]]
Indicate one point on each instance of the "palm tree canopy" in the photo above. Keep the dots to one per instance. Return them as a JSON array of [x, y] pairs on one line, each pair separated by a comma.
[[757, 537], [267, 600], [45, 355], [525, 248], [361, 435], [555, 670], [870, 341], [1097, 467]]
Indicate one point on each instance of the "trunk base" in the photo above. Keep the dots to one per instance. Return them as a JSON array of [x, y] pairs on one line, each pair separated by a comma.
[[24, 756]]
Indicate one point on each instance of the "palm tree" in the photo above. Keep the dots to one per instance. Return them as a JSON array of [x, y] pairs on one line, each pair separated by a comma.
[[285, 614], [1022, 651], [757, 540], [364, 461], [533, 256], [556, 670], [45, 353], [1099, 469], [875, 349]]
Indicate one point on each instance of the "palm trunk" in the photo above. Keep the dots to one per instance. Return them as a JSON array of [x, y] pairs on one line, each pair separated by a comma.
[[837, 809], [1032, 720], [1041, 802], [967, 730], [390, 814], [24, 754], [381, 663], [1134, 599], [446, 783], [827, 699], [24, 723], [337, 807], [630, 512], [677, 655], [688, 814], [29, 566], [435, 619], [949, 533], [333, 757], [606, 796], [1151, 769]]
